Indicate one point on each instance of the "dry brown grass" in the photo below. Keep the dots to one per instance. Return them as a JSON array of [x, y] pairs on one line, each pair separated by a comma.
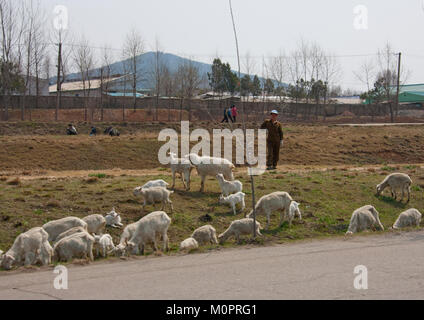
[[138, 149], [14, 182]]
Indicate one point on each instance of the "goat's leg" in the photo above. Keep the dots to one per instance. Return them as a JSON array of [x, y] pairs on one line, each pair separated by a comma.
[[173, 179], [182, 179], [202, 184], [234, 208], [243, 205], [165, 242], [268, 218], [409, 193]]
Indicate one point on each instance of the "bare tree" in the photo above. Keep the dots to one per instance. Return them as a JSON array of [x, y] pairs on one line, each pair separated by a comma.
[[60, 36], [11, 23], [157, 74], [278, 69], [84, 60], [133, 48], [366, 73], [188, 80], [388, 74]]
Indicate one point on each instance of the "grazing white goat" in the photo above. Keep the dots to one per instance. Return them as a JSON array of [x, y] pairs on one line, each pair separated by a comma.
[[276, 201], [155, 195], [70, 232], [238, 228], [189, 244], [364, 218], [233, 200], [104, 245], [229, 187], [210, 166], [205, 234], [183, 167], [127, 234], [28, 248], [149, 229], [155, 183], [79, 245], [96, 223], [56, 227], [113, 219], [408, 218], [396, 182]]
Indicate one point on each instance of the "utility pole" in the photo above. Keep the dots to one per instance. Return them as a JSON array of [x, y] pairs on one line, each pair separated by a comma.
[[398, 82], [244, 120], [59, 81]]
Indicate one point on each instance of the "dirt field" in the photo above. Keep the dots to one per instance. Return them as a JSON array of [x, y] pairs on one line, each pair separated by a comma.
[[137, 148]]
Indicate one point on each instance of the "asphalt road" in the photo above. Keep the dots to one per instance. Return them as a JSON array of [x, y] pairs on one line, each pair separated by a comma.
[[308, 270]]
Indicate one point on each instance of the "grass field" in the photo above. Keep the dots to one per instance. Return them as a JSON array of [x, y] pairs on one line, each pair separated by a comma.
[[327, 202]]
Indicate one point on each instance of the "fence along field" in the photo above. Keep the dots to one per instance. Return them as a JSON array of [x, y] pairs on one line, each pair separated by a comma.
[[43, 108]]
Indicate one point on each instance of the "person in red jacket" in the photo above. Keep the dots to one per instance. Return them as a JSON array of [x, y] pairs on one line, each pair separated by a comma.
[[234, 112]]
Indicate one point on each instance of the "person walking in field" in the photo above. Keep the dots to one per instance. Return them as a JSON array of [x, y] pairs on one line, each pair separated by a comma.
[[225, 116], [234, 113], [274, 140], [229, 115]]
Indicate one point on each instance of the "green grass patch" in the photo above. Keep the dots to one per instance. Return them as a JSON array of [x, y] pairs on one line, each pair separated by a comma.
[[327, 200]]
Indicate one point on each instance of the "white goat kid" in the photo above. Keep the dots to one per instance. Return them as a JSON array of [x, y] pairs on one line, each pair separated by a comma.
[[155, 183], [183, 167], [233, 200], [104, 245], [229, 187], [155, 195], [113, 219]]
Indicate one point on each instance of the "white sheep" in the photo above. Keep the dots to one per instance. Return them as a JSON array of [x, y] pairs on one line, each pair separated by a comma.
[[155, 195], [211, 166], [104, 245], [70, 232], [113, 219], [183, 167], [276, 201], [149, 229], [238, 228], [79, 245], [189, 244], [155, 183], [233, 200], [28, 248], [396, 182], [205, 234], [364, 218], [229, 187], [408, 218], [96, 223], [56, 227]]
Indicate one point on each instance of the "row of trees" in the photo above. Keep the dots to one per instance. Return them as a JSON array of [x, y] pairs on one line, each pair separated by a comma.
[[29, 47]]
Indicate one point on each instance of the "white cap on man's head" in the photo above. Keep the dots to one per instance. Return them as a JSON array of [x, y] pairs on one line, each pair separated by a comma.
[[274, 112]]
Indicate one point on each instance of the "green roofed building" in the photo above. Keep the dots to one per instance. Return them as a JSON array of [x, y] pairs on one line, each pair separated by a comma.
[[411, 93], [408, 93]]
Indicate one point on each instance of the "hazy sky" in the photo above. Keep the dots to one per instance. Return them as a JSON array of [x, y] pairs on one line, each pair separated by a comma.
[[202, 29]]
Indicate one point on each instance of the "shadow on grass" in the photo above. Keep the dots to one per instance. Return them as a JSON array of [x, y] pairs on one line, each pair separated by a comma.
[[392, 201]]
